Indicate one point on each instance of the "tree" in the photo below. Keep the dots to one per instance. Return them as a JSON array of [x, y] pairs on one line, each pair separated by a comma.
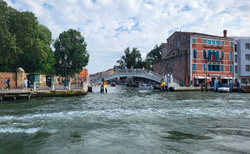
[[130, 58], [7, 41], [154, 55], [72, 44], [24, 43]]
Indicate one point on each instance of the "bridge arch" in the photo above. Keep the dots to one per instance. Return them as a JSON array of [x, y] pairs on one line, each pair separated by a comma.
[[111, 74]]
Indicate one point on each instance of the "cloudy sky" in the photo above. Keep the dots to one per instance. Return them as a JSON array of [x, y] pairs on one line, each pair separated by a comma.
[[109, 26]]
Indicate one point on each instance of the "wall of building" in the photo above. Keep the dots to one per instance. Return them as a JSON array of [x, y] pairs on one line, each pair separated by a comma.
[[12, 76], [242, 75], [199, 61]]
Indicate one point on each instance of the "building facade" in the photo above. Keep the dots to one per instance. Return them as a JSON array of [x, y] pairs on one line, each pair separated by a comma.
[[83, 74], [242, 59], [195, 58]]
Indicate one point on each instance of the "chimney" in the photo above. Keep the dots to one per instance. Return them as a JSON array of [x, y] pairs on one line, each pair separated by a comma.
[[225, 33]]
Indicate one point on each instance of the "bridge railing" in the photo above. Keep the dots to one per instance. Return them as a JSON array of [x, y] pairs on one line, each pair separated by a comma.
[[98, 77]]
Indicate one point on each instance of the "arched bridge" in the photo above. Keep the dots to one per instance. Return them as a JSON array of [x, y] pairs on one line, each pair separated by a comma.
[[111, 74]]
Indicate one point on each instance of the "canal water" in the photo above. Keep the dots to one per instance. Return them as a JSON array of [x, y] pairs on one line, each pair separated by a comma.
[[128, 121]]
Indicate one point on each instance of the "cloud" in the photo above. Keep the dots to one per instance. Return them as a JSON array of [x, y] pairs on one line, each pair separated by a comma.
[[109, 26]]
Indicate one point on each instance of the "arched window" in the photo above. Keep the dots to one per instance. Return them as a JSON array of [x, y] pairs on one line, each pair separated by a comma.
[[194, 54], [204, 54], [209, 54], [213, 55], [217, 55], [222, 55]]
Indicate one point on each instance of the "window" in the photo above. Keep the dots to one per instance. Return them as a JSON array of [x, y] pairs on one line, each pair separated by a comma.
[[208, 41], [247, 46], [217, 42], [204, 54], [194, 67], [213, 55], [243, 80], [204, 67], [222, 42], [204, 41], [231, 68], [213, 41], [209, 67], [194, 54], [247, 68], [222, 55], [222, 68], [217, 55], [231, 43], [209, 54], [214, 67], [235, 47], [235, 69], [194, 40], [230, 56], [235, 58], [247, 56]]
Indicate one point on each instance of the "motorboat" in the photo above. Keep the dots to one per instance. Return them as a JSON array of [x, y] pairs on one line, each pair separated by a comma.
[[113, 84], [223, 89], [245, 88], [146, 87]]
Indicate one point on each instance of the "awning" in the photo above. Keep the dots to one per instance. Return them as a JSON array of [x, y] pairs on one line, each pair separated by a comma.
[[225, 77], [200, 77]]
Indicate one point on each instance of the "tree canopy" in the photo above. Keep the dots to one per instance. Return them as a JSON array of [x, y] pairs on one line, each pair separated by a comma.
[[72, 44], [154, 55], [131, 58], [23, 42]]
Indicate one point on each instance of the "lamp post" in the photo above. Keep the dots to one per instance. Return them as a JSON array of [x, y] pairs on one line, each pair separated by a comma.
[[206, 78], [65, 64]]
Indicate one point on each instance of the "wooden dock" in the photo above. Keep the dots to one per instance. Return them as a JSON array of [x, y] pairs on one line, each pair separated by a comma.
[[19, 93], [15, 93]]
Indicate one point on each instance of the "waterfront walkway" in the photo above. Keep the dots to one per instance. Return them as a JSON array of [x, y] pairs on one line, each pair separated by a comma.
[[59, 90]]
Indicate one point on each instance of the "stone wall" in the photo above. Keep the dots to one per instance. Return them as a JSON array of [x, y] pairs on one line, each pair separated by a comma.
[[175, 65], [12, 76]]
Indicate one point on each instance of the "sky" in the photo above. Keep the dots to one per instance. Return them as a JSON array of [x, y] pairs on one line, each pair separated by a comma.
[[110, 26]]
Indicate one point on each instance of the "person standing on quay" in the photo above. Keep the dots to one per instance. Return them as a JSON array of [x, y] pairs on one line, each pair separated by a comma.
[[8, 84], [25, 82], [5, 83]]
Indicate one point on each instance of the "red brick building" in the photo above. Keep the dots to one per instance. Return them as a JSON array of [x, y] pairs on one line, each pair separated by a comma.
[[194, 58]]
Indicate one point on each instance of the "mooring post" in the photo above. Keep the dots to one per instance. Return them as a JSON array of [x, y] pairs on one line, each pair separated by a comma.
[[69, 86], [34, 86], [53, 86]]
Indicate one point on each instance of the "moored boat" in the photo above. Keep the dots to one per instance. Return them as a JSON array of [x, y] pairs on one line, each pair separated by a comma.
[[146, 87], [113, 84], [223, 89], [245, 88]]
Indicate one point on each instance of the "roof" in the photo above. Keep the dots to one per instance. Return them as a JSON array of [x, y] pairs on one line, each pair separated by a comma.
[[200, 34]]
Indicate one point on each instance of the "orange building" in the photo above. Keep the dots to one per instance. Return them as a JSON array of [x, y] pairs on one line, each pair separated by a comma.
[[83, 74], [194, 58]]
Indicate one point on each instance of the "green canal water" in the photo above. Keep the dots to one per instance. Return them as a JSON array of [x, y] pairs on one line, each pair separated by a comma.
[[127, 121]]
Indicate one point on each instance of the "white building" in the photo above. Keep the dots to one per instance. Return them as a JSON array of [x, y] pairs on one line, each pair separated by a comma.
[[242, 59]]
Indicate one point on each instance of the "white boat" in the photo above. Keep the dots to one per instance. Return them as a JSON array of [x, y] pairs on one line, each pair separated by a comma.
[[146, 87], [223, 89]]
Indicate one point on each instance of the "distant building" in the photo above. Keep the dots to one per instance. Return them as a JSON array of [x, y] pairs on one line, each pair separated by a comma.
[[83, 74], [194, 58], [242, 59]]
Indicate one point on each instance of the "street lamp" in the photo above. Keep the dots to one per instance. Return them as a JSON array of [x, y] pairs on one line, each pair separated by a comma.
[[65, 64], [206, 78]]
